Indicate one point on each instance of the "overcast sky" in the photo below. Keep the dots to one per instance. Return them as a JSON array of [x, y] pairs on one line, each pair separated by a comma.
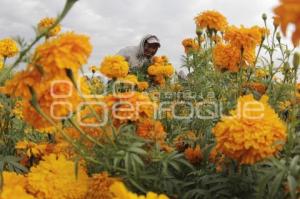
[[113, 24]]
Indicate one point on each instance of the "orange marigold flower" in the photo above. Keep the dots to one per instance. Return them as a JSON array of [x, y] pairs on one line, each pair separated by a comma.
[[252, 133], [68, 50], [52, 103], [54, 177], [151, 130], [212, 20], [160, 59], [130, 106], [256, 86], [114, 66], [8, 47], [46, 23], [142, 86], [184, 140], [99, 186], [226, 57], [243, 38], [193, 155], [189, 45], [18, 86], [289, 12]]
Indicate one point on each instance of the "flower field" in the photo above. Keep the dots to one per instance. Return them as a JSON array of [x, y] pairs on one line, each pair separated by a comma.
[[229, 128]]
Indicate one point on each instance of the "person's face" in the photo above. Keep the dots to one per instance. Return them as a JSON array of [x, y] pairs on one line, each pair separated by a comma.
[[150, 49]]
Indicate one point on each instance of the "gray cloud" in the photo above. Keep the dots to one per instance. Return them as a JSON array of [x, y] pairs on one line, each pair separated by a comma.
[[118, 23]]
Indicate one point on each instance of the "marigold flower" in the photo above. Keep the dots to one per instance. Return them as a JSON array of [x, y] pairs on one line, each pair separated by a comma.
[[8, 47], [99, 186], [51, 103], [55, 178], [129, 78], [114, 66], [256, 86], [161, 70], [46, 23], [160, 59], [18, 86], [212, 20], [252, 133], [14, 187], [67, 51], [226, 57], [189, 45], [151, 130], [119, 191], [1, 62], [289, 12], [261, 73], [245, 39], [142, 86], [130, 106], [184, 140], [193, 155]]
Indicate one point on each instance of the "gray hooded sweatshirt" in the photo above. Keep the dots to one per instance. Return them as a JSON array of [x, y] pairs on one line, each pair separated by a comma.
[[135, 54]]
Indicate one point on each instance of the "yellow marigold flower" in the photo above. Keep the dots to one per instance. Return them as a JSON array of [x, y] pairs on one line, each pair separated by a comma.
[[14, 187], [189, 45], [142, 86], [114, 66], [17, 111], [284, 105], [289, 12], [151, 130], [161, 70], [193, 155], [8, 47], [99, 186], [261, 73], [119, 191], [252, 133], [226, 57], [212, 20], [68, 50], [1, 62], [129, 79], [55, 178], [243, 38], [31, 148], [46, 23], [263, 31]]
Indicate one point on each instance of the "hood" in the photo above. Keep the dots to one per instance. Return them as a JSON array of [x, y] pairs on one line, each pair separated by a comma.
[[142, 44]]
